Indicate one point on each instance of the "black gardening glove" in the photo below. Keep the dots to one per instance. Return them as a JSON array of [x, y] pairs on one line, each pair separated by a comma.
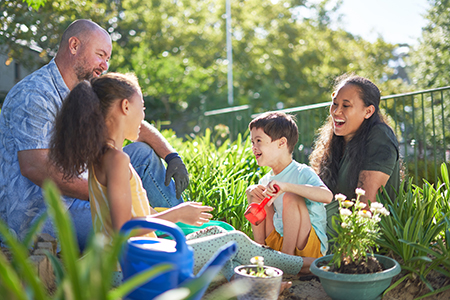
[[177, 170]]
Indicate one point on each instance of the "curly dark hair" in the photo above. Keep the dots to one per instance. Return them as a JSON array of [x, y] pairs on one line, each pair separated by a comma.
[[80, 135], [329, 148]]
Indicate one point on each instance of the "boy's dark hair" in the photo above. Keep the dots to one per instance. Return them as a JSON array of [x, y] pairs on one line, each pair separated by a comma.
[[277, 125]]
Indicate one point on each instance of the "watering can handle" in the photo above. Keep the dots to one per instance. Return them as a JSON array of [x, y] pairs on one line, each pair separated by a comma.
[[157, 224]]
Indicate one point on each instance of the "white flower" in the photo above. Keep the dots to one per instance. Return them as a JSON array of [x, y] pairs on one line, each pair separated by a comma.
[[384, 212], [359, 227], [360, 192], [347, 203], [271, 272], [345, 212], [360, 205], [325, 268], [340, 197], [257, 260], [244, 271], [365, 214], [376, 205]]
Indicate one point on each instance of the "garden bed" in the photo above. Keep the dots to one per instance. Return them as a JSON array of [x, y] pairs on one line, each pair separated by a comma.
[[309, 288]]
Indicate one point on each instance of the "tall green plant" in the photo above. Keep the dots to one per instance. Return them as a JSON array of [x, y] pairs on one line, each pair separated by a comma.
[[439, 254], [220, 174], [417, 226], [439, 251], [77, 278]]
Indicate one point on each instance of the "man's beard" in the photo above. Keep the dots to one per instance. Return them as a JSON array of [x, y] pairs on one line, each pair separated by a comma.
[[83, 72]]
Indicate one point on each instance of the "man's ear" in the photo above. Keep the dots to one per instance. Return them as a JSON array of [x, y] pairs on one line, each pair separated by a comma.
[[369, 111], [125, 106], [74, 44]]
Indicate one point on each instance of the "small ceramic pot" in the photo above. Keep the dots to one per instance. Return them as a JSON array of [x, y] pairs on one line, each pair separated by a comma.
[[261, 288]]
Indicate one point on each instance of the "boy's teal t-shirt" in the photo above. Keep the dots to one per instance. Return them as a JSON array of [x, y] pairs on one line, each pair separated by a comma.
[[297, 173]]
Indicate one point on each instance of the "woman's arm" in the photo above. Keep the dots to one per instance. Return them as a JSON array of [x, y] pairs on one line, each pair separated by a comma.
[[371, 182], [314, 193]]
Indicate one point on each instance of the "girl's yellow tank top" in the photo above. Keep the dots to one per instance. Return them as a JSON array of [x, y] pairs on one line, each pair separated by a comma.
[[100, 211]]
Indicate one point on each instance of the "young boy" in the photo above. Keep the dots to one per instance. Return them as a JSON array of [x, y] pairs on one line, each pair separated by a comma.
[[296, 222]]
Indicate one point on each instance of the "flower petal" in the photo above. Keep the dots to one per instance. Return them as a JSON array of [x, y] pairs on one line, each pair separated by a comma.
[[360, 192], [340, 197]]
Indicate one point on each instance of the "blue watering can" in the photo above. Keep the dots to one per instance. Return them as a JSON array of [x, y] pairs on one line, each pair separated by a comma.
[[140, 253]]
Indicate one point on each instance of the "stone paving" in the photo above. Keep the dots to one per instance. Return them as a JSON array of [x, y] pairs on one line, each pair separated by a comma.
[[44, 242]]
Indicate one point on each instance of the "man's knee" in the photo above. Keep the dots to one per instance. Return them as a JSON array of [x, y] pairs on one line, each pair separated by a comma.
[[138, 148], [143, 156]]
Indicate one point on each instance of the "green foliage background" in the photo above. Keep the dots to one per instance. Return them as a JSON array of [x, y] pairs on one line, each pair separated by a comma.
[[178, 50], [220, 172]]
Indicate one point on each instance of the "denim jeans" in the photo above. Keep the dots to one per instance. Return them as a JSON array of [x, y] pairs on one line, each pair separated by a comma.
[[152, 171]]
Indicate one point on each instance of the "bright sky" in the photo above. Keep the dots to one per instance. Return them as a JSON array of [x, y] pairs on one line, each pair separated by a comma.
[[397, 21]]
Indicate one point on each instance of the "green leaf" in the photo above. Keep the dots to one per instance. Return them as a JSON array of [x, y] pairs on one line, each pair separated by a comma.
[[24, 267], [395, 284], [435, 292], [10, 280], [35, 4], [66, 236], [35, 228]]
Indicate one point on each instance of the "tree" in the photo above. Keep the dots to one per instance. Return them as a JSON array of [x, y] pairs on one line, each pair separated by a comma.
[[40, 24], [429, 62], [178, 50]]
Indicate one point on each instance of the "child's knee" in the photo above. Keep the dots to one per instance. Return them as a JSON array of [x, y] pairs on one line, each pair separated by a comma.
[[292, 200]]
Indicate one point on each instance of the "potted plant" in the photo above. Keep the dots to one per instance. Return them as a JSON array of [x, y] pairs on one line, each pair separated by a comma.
[[263, 282], [354, 271]]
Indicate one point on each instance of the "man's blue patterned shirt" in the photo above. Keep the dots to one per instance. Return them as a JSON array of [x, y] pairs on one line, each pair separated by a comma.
[[26, 123]]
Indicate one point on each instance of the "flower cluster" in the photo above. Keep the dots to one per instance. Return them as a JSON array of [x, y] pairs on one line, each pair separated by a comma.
[[357, 228], [260, 270]]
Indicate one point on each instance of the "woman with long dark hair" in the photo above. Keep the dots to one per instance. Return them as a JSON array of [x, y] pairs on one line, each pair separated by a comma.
[[355, 147]]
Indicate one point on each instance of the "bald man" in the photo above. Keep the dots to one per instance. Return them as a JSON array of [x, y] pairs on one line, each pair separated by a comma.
[[26, 123]]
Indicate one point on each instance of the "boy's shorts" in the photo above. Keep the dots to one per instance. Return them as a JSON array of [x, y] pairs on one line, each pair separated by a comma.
[[312, 248]]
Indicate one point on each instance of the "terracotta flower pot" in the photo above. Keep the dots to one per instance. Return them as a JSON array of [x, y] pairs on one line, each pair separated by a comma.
[[341, 286], [261, 288]]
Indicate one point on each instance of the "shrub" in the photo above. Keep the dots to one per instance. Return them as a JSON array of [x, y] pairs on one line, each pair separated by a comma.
[[220, 172], [418, 230]]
